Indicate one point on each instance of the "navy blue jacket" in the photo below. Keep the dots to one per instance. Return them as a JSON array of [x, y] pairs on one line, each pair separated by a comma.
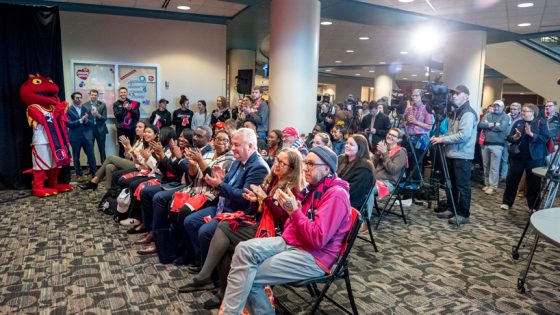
[[78, 131], [252, 173], [537, 143]]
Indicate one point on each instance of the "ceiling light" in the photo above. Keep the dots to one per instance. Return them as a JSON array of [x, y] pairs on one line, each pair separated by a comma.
[[404, 52], [183, 7], [337, 61], [427, 74], [371, 71], [523, 24], [405, 78], [326, 23], [358, 74], [413, 75], [349, 51], [406, 1], [382, 62], [426, 39], [525, 5], [328, 70], [363, 38]]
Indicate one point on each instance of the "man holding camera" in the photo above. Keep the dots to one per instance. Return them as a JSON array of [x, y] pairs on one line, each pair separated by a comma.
[[460, 140], [418, 123]]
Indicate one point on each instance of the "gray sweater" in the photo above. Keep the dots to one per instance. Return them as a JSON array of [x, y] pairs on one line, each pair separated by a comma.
[[495, 127], [389, 167], [460, 137]]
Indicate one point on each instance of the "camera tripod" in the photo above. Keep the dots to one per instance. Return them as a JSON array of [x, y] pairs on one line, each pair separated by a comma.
[[439, 154], [396, 124], [551, 175]]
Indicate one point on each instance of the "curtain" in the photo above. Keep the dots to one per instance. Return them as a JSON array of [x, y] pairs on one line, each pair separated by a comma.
[[30, 43]]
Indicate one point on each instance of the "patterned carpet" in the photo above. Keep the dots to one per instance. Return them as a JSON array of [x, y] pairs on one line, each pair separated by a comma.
[[60, 256]]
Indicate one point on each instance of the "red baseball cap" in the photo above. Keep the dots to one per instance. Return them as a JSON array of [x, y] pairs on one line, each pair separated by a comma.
[[290, 131]]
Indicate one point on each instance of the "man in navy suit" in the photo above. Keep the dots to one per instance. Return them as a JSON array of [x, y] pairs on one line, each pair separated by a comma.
[[98, 119], [80, 134]]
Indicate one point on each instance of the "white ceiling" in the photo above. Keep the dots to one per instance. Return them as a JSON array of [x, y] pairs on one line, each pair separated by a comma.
[[205, 7], [544, 15]]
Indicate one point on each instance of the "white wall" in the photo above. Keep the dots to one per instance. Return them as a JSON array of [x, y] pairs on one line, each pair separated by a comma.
[[345, 86], [192, 56]]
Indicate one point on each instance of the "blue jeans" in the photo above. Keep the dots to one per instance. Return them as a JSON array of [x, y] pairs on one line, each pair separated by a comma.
[[264, 261], [200, 233], [155, 202]]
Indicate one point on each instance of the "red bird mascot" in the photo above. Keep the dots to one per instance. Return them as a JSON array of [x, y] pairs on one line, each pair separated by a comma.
[[49, 146]]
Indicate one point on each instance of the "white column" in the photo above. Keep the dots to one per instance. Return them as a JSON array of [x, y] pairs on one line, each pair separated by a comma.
[[383, 83], [492, 90], [294, 59], [463, 63], [238, 59]]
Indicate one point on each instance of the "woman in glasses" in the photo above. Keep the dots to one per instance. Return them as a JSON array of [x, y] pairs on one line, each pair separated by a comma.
[[355, 167], [389, 161]]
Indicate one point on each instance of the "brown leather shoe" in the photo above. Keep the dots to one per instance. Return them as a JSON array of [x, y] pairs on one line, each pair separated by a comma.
[[148, 250], [82, 178], [147, 239]]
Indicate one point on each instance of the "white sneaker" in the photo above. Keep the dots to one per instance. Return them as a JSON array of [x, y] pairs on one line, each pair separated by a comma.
[[504, 206], [485, 188], [129, 221], [406, 202], [489, 191]]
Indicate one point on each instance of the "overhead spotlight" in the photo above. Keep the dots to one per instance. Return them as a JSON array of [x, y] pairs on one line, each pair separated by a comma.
[[382, 62], [337, 61], [358, 74], [363, 38], [372, 71], [326, 23], [426, 39], [413, 75], [405, 78], [404, 52], [328, 70], [183, 7], [406, 1], [525, 5], [349, 51], [524, 24]]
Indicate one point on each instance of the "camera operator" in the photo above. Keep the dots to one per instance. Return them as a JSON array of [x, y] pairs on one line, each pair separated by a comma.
[[418, 123], [375, 124], [460, 139]]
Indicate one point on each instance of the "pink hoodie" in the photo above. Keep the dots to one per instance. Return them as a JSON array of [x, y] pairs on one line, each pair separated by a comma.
[[322, 237]]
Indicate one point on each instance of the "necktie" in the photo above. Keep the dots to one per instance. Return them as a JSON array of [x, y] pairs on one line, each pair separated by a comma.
[[222, 200]]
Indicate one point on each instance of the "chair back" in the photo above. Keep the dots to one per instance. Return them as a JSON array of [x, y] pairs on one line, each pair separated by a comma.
[[348, 242], [363, 208]]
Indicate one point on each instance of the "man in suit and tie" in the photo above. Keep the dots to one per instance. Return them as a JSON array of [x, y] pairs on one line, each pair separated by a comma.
[[80, 134], [375, 124], [98, 119]]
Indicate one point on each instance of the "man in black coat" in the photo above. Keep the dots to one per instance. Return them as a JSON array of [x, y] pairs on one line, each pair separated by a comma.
[[161, 117], [127, 114], [375, 125], [98, 118]]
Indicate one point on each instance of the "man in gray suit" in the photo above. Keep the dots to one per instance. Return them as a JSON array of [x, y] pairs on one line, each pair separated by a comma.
[[98, 119]]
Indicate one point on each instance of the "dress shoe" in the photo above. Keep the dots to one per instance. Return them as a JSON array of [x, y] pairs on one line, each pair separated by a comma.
[[214, 302], [147, 239], [88, 185], [197, 285], [445, 215], [138, 229], [148, 250], [182, 261], [458, 220], [194, 269]]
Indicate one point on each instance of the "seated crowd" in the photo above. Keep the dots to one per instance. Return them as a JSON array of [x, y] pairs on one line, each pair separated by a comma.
[[246, 208]]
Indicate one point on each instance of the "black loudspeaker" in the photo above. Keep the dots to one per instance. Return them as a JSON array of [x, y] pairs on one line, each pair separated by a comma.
[[244, 80]]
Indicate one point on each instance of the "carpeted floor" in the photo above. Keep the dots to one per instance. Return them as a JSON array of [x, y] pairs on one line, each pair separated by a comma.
[[60, 256]]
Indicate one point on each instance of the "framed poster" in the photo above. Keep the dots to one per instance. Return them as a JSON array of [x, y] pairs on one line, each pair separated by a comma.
[[141, 80], [98, 76]]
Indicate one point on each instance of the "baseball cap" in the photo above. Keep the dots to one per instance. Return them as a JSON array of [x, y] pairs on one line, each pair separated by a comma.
[[462, 88], [498, 102], [290, 131]]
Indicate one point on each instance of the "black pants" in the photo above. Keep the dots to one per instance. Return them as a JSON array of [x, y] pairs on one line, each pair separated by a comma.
[[129, 133], [460, 176], [99, 138], [532, 182]]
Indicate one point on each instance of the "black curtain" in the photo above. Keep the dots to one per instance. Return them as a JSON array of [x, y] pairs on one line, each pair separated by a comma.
[[30, 43]]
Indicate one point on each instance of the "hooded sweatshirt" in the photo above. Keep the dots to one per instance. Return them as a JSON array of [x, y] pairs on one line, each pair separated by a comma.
[[321, 224]]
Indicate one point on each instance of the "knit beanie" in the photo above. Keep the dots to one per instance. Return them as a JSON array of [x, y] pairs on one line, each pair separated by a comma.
[[327, 155]]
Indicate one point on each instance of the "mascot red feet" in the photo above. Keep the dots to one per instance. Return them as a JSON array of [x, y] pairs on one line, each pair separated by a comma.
[[47, 116]]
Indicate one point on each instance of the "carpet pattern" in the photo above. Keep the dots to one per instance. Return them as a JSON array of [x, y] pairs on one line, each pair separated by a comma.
[[60, 256]]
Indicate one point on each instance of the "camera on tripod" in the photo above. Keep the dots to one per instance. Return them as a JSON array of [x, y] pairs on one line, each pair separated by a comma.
[[437, 97], [398, 102]]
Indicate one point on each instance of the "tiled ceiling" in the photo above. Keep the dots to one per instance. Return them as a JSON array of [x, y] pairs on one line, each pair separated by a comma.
[[203, 7], [544, 15]]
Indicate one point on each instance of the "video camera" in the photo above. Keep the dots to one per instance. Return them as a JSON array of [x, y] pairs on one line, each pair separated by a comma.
[[437, 97], [398, 102]]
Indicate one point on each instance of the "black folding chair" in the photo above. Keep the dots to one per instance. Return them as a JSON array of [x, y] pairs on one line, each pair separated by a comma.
[[395, 196], [364, 213], [338, 271]]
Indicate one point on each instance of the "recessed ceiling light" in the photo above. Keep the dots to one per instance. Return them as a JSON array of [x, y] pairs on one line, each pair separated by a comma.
[[524, 24], [358, 74], [337, 61], [371, 88], [427, 74], [525, 5], [382, 62], [522, 93], [371, 71], [413, 75], [326, 23], [404, 52], [405, 78], [349, 51], [363, 38], [328, 70], [406, 1], [183, 7]]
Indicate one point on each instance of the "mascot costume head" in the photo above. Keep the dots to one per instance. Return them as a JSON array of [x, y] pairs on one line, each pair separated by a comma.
[[49, 146]]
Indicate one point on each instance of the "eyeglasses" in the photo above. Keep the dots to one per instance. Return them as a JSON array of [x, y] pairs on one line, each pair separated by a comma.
[[417, 95], [280, 163], [392, 135], [222, 140], [527, 111], [311, 164]]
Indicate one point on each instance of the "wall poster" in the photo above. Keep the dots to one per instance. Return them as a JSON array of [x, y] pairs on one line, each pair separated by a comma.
[[141, 80]]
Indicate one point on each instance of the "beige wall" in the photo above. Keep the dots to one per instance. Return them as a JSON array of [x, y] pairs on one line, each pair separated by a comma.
[[345, 86], [192, 56]]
